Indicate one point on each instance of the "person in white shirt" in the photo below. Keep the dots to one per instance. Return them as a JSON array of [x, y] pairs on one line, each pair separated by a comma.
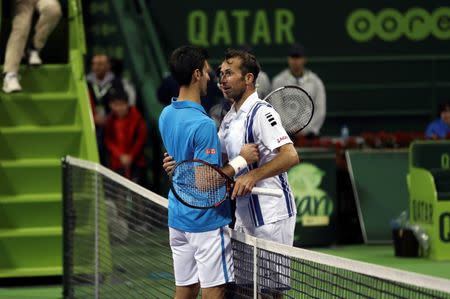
[[252, 120], [297, 74]]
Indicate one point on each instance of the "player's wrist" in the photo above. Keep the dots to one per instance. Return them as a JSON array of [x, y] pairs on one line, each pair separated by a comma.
[[238, 164]]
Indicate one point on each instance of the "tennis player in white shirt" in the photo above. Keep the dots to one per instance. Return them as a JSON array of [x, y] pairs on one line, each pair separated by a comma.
[[252, 120]]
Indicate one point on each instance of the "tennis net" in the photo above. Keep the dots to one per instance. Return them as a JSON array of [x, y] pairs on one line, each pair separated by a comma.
[[116, 245]]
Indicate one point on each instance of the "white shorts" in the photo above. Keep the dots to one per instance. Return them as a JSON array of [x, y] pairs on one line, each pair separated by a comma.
[[273, 269], [202, 257], [280, 231]]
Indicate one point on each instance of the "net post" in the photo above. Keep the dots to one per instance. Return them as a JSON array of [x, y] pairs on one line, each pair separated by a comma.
[[68, 219]]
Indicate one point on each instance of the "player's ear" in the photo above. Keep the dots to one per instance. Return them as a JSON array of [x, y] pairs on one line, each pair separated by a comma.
[[249, 78], [196, 75]]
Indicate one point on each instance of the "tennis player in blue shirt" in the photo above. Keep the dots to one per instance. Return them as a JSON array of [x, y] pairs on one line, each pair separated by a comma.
[[199, 239]]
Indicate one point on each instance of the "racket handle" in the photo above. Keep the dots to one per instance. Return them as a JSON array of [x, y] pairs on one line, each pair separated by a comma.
[[267, 191]]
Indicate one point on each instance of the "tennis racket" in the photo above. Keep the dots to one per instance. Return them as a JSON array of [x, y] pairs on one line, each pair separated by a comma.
[[201, 185], [294, 105]]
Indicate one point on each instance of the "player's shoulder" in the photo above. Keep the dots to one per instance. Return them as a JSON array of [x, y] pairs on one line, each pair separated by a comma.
[[262, 109], [262, 105]]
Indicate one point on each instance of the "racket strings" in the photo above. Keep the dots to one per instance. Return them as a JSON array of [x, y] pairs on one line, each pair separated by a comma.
[[198, 185], [294, 107]]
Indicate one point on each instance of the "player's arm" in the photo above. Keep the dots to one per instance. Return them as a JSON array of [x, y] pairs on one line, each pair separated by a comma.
[[268, 131], [286, 158], [249, 152]]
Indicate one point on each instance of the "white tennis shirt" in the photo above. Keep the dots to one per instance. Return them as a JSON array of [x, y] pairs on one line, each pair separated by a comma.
[[257, 122]]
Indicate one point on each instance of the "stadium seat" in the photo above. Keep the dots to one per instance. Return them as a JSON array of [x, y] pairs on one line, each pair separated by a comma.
[[429, 189]]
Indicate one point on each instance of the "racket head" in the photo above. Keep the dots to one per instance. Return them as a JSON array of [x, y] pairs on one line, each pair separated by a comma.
[[199, 184], [294, 105]]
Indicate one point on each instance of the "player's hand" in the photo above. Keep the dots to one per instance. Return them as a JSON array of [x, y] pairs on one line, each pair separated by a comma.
[[244, 185], [168, 163], [250, 152], [125, 160]]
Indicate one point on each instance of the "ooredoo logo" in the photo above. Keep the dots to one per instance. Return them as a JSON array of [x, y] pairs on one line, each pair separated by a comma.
[[390, 24]]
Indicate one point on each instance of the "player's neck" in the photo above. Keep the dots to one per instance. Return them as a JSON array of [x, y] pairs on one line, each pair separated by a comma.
[[248, 92], [189, 94]]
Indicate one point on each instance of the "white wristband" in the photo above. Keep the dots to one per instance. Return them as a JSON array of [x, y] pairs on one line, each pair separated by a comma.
[[238, 164]]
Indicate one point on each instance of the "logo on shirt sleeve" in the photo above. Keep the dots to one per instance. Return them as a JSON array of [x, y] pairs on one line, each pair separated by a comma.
[[281, 138], [211, 151], [271, 119]]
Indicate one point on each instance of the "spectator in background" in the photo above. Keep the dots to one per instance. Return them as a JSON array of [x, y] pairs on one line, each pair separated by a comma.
[[297, 74], [117, 69], [125, 138], [49, 15], [100, 81], [440, 128]]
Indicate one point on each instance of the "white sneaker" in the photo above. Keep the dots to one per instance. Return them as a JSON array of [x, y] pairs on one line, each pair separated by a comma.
[[11, 83], [33, 58]]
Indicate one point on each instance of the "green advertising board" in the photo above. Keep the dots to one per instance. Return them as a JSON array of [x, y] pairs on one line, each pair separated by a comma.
[[313, 182], [350, 28], [429, 185], [380, 189]]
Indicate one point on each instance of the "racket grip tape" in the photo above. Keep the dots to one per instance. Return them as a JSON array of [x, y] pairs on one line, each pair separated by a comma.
[[267, 191]]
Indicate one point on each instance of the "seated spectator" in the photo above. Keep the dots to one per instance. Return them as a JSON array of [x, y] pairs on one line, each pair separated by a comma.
[[298, 74], [49, 15], [440, 128], [100, 81], [125, 137]]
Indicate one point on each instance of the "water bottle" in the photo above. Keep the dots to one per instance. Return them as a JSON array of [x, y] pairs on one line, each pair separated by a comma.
[[345, 132]]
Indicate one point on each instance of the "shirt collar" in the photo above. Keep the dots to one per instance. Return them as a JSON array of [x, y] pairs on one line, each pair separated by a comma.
[[187, 104], [248, 103]]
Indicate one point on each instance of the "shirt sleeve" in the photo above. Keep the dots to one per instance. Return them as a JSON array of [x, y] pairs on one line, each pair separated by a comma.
[[206, 143], [269, 128]]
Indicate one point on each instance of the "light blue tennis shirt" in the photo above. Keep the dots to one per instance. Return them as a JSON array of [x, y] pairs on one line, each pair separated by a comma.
[[188, 133]]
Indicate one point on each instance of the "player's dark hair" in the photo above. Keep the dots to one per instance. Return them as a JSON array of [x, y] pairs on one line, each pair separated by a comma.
[[184, 61], [249, 64]]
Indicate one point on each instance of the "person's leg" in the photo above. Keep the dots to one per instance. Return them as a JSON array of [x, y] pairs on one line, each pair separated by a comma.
[[187, 292], [214, 261], [282, 232], [216, 292], [22, 17], [23, 14], [184, 264], [49, 15]]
